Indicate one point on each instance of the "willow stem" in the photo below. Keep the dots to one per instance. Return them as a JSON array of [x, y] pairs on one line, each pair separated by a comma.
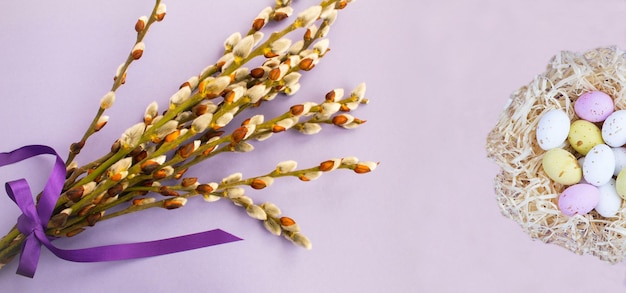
[[116, 84]]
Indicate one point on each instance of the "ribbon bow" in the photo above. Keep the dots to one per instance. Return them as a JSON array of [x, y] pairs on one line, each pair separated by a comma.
[[33, 221]]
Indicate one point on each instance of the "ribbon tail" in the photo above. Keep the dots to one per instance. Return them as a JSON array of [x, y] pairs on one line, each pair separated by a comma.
[[143, 249], [28, 261]]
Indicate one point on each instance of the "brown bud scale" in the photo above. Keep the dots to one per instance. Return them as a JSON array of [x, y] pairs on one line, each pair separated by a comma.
[[330, 96], [160, 16], [86, 209], [160, 174], [361, 169], [189, 181], [278, 16], [258, 24], [115, 190], [340, 120], [327, 165], [180, 173], [229, 97], [139, 25], [76, 147], [136, 54], [58, 220], [186, 150], [149, 166], [270, 54], [277, 128], [172, 136], [306, 64], [135, 151], [140, 156], [287, 221], [296, 109], [185, 84], [212, 134], [200, 109], [138, 201], [239, 134], [274, 74], [258, 184], [173, 203], [93, 219], [204, 189], [166, 191], [257, 72], [115, 146], [75, 193]]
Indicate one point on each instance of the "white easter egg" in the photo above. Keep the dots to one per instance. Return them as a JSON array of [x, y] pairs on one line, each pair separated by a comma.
[[620, 159], [552, 129], [610, 202], [599, 165], [614, 129]]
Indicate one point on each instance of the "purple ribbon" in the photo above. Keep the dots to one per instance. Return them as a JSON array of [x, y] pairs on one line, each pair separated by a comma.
[[33, 221]]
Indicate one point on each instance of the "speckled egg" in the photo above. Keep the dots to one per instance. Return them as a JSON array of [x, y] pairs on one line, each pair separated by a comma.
[[561, 166], [614, 129], [599, 165], [583, 135], [594, 106], [610, 202], [552, 129], [579, 199]]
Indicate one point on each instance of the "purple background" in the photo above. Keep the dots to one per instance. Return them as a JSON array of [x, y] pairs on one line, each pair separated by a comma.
[[438, 74]]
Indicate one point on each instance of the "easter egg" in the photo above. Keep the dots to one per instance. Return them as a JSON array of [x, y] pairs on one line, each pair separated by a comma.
[[594, 106], [552, 129], [610, 202], [599, 165], [583, 135], [620, 183], [578, 199], [561, 166], [614, 129], [620, 159]]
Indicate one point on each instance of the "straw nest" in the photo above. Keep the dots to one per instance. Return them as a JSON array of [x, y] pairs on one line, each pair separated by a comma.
[[524, 192]]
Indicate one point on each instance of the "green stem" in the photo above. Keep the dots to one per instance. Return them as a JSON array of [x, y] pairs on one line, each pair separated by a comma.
[[10, 237], [10, 245]]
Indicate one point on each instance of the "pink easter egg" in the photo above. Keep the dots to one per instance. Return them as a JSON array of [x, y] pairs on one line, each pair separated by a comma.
[[594, 106], [579, 199]]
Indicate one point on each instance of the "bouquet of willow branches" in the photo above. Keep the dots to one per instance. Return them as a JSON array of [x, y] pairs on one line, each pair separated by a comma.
[[146, 166]]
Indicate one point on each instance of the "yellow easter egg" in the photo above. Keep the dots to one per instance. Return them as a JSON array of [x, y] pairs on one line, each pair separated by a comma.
[[620, 183], [584, 135], [562, 167]]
